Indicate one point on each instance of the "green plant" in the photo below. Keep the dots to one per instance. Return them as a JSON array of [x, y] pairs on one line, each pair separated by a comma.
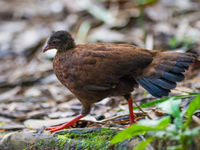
[[153, 103], [165, 128], [2, 123], [185, 43], [145, 2], [98, 139]]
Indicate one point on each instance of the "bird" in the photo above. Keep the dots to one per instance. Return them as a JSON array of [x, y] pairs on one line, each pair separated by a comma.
[[95, 71]]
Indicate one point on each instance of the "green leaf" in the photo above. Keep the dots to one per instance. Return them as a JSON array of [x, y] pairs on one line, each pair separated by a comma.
[[194, 94], [164, 123], [128, 133], [187, 42], [171, 106], [2, 123], [162, 133], [83, 31], [177, 147], [141, 127], [193, 106], [97, 11], [158, 124], [145, 2], [153, 103], [173, 42], [142, 145], [192, 132]]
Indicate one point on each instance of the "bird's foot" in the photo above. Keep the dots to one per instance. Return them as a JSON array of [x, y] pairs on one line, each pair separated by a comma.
[[57, 128], [66, 125]]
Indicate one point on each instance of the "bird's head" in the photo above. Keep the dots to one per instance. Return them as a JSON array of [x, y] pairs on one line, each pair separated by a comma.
[[60, 40]]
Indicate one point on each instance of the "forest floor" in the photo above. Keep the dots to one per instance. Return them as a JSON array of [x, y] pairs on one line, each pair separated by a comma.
[[31, 97]]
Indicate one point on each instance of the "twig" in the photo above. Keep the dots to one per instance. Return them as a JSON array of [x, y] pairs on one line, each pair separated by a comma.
[[141, 109], [116, 117]]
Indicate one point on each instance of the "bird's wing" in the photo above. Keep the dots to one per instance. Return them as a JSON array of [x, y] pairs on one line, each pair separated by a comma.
[[103, 65]]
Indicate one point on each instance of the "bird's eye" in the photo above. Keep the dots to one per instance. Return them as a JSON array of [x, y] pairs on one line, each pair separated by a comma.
[[55, 41]]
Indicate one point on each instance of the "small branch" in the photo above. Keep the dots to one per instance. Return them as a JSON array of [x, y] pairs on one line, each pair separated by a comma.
[[141, 109]]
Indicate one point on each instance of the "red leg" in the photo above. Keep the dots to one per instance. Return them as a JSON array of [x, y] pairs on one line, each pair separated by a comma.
[[131, 113], [65, 125]]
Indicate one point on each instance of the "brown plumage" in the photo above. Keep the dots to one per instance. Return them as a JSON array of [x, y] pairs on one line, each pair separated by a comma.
[[99, 70]]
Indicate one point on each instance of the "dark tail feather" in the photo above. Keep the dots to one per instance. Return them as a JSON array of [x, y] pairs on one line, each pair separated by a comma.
[[166, 75], [174, 77], [152, 88]]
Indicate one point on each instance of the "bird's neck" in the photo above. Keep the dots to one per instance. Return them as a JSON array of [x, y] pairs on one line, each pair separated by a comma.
[[68, 46], [64, 53]]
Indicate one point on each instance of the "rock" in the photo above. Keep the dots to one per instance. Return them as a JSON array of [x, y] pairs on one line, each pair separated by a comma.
[[85, 138]]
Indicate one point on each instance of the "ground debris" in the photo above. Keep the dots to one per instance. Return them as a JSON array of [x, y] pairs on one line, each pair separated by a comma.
[[31, 96]]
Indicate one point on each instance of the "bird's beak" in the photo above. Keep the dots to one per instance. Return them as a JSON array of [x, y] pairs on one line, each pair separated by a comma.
[[46, 48]]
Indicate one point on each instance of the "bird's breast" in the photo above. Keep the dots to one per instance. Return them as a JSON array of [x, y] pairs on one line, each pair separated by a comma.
[[66, 72]]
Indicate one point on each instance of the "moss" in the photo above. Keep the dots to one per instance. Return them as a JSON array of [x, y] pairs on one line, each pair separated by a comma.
[[47, 143], [62, 140], [41, 142], [99, 139]]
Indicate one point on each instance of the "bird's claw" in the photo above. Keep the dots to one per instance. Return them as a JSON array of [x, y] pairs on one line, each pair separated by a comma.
[[57, 128]]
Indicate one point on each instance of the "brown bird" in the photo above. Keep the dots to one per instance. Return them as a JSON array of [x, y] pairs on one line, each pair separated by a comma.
[[99, 70]]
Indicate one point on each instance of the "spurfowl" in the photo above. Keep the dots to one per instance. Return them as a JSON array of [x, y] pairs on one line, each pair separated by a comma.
[[95, 71]]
